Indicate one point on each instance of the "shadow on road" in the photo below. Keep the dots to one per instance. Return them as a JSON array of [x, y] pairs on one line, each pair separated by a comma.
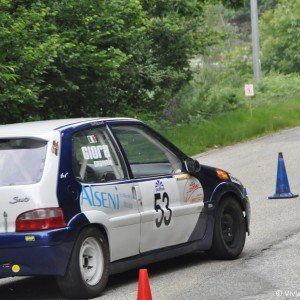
[[30, 288], [46, 288], [160, 268]]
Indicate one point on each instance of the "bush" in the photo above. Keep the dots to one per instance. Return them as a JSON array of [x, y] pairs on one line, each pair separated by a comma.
[[73, 58], [277, 87], [209, 93], [280, 37]]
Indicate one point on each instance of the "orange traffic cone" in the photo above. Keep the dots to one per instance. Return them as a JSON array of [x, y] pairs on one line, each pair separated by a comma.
[[144, 292]]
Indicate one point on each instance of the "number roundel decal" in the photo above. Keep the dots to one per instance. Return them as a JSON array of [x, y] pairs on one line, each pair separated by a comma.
[[165, 212]]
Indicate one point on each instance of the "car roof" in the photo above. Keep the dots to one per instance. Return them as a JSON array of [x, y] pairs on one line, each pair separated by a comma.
[[39, 128]]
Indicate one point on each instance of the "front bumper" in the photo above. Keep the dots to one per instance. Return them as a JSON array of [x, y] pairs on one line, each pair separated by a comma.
[[35, 253]]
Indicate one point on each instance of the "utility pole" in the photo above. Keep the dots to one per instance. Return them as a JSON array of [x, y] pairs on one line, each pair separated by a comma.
[[255, 41]]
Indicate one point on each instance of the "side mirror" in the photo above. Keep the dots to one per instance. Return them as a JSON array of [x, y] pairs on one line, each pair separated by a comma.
[[192, 165]]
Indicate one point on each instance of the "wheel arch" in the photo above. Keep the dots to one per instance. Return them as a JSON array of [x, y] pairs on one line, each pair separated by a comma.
[[226, 190], [232, 195], [101, 228], [91, 219]]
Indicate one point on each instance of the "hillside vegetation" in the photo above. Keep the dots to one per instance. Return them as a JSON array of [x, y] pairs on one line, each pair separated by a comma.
[[179, 65]]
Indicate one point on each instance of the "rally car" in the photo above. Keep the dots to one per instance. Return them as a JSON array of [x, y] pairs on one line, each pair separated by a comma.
[[85, 198]]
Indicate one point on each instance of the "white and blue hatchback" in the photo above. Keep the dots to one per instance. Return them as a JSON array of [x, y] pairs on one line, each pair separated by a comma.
[[85, 198]]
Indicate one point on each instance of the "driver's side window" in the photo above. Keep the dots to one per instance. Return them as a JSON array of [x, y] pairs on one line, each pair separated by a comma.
[[94, 157], [147, 156]]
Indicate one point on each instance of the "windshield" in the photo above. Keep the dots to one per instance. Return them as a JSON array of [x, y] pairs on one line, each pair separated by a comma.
[[21, 161]]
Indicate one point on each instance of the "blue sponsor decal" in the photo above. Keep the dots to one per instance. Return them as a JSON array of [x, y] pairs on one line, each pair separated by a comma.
[[126, 199], [99, 199], [159, 186], [128, 205]]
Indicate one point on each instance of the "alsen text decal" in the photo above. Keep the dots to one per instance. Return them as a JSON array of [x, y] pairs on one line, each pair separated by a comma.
[[99, 199]]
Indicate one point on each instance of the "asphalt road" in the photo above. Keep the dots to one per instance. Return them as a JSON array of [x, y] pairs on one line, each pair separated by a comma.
[[269, 267]]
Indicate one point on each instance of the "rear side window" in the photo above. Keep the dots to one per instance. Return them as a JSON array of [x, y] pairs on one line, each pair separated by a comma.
[[22, 161], [94, 157]]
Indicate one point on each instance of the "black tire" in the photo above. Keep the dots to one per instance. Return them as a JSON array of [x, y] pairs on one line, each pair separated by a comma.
[[88, 269], [229, 230]]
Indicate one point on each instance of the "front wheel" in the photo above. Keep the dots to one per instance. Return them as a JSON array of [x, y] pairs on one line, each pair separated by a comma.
[[88, 268], [229, 230]]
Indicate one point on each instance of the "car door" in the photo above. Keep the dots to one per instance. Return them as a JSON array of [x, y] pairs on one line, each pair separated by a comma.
[[107, 193], [169, 211]]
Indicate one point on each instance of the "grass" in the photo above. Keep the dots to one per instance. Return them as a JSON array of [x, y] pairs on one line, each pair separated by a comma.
[[235, 127]]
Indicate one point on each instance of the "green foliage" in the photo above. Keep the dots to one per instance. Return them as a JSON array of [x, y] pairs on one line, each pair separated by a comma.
[[234, 3], [215, 83], [219, 89], [240, 16], [216, 87], [276, 88], [207, 95], [267, 5], [218, 82], [85, 58], [280, 35], [235, 126], [74, 58]]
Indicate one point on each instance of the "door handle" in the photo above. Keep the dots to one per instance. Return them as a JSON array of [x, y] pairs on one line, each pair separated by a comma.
[[136, 193]]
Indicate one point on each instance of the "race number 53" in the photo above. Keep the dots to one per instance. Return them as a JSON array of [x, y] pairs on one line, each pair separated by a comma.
[[161, 204]]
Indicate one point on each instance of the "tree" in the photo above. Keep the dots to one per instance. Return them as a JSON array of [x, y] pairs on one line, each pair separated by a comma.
[[72, 58], [280, 35]]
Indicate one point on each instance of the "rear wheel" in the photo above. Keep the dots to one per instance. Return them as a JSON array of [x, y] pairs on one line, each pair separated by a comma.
[[88, 268], [229, 230]]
